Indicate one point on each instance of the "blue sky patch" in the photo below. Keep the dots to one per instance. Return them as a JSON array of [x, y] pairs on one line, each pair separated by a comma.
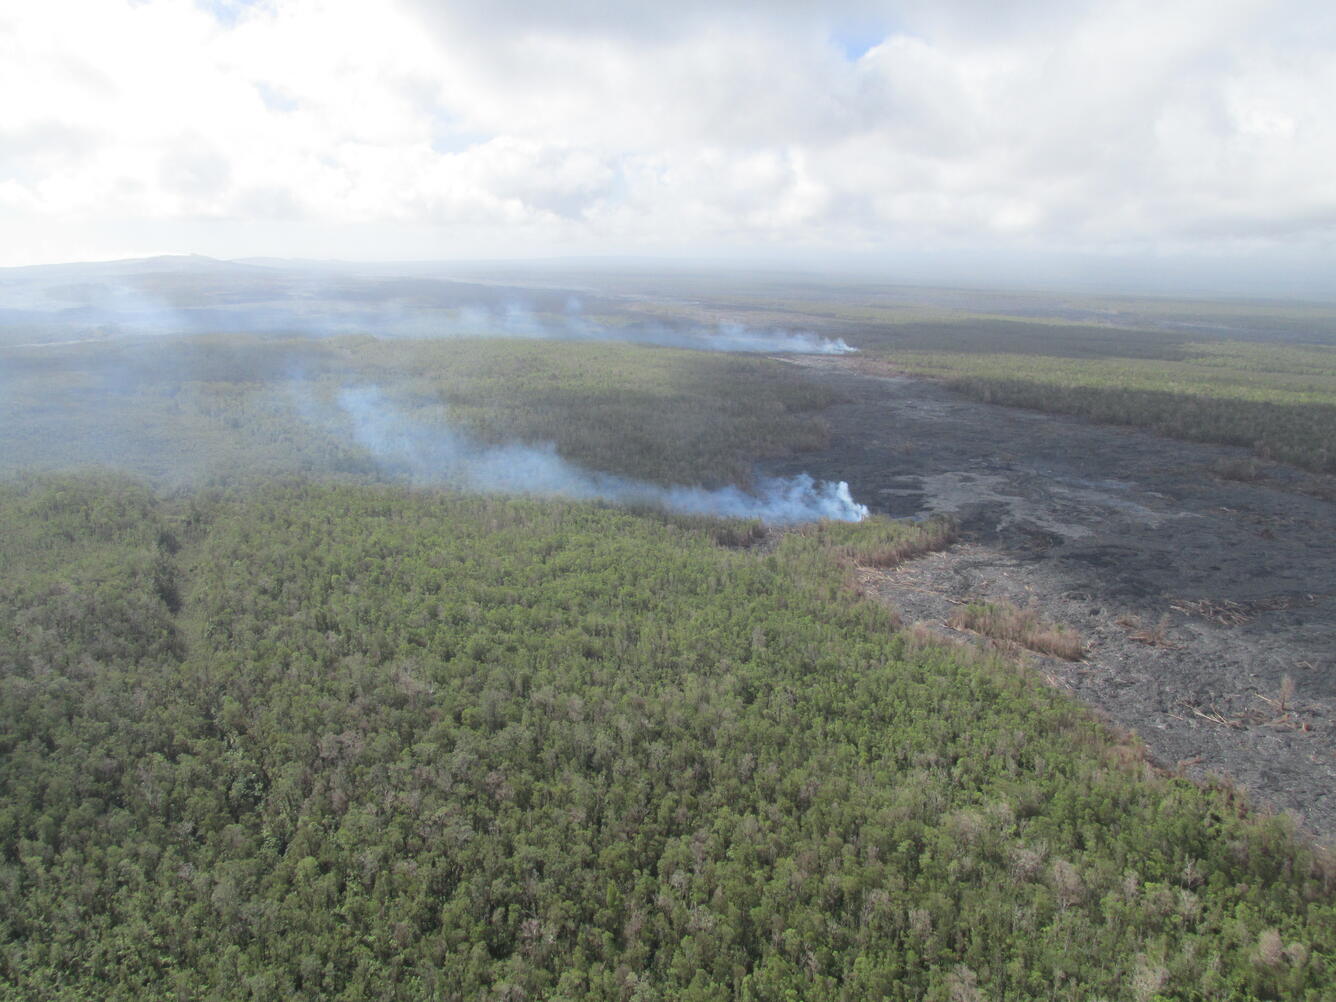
[[855, 39], [273, 99], [447, 136], [227, 12]]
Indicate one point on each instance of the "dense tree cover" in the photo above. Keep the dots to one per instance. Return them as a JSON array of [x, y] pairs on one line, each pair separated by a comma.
[[364, 742], [210, 409]]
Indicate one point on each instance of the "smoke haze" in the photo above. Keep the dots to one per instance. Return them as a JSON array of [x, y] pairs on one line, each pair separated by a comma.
[[193, 295]]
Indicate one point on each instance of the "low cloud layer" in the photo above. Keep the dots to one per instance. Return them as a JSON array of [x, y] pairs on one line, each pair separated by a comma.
[[1132, 129]]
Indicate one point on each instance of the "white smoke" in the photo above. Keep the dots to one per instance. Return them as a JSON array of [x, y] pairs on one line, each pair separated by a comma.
[[736, 337], [437, 453]]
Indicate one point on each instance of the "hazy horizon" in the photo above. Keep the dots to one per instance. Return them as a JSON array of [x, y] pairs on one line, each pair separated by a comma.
[[1058, 275], [1133, 147]]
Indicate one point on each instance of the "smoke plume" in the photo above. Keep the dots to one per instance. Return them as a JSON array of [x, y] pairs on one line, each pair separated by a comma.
[[516, 320], [431, 451]]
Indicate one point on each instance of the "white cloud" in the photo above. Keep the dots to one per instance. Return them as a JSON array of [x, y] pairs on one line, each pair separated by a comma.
[[518, 127]]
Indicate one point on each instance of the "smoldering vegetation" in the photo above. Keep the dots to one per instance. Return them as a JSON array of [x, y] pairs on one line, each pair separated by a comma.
[[623, 424], [572, 324]]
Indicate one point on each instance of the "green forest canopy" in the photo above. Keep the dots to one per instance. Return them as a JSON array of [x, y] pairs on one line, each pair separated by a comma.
[[350, 741]]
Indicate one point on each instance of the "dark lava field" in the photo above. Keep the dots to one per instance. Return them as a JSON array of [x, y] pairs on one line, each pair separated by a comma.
[[1208, 605]]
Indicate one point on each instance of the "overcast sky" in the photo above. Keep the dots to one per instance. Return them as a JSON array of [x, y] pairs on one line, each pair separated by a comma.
[[980, 131]]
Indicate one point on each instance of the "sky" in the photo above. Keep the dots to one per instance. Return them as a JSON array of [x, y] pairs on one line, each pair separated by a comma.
[[991, 137]]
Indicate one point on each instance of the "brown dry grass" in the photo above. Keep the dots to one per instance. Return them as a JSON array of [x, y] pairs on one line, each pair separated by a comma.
[[878, 542], [1007, 623], [1151, 636], [930, 537]]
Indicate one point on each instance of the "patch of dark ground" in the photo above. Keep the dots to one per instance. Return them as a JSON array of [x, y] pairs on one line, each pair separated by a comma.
[[1198, 596]]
